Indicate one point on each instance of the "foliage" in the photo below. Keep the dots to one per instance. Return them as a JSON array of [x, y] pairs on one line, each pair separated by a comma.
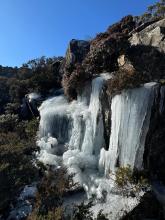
[[55, 214], [156, 10], [83, 212], [50, 193], [16, 156], [123, 176], [131, 181], [31, 127], [4, 93], [39, 75], [8, 122], [12, 108]]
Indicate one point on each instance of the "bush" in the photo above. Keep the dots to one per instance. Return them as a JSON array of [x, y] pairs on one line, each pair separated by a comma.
[[124, 176], [17, 145], [8, 122], [49, 197], [16, 168], [156, 11], [131, 181]]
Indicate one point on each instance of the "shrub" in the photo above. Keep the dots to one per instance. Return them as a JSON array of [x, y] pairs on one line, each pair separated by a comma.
[[17, 144], [16, 168], [8, 122], [131, 181], [50, 193], [124, 176]]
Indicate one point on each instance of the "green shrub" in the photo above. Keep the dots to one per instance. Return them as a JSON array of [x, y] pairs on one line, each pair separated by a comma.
[[131, 180], [17, 145], [49, 198], [8, 122], [16, 169], [124, 176]]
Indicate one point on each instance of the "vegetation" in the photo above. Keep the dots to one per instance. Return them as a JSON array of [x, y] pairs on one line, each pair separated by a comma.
[[16, 155], [49, 197], [131, 181], [155, 11], [39, 75]]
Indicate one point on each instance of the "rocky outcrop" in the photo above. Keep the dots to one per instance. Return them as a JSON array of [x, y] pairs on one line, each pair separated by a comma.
[[72, 78], [100, 57], [153, 35], [143, 61], [75, 53], [133, 60]]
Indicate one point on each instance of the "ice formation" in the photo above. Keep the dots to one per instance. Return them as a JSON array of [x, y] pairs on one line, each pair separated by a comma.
[[72, 134], [74, 130], [130, 118]]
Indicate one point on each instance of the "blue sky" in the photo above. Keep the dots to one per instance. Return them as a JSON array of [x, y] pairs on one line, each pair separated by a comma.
[[33, 28]]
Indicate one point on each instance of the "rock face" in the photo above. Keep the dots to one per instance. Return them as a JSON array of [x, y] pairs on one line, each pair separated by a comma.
[[155, 142], [98, 56], [143, 61], [152, 35], [76, 52]]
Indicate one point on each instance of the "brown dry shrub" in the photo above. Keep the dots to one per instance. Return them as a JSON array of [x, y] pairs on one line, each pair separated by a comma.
[[125, 78]]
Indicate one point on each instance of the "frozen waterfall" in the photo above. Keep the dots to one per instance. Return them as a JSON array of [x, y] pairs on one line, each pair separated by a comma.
[[131, 111], [75, 126], [72, 133]]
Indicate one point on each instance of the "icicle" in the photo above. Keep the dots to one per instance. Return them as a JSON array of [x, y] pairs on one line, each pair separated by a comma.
[[131, 112]]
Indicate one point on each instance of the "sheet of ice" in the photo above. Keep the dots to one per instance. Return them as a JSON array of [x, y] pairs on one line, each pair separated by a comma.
[[111, 202], [55, 119], [77, 124], [130, 118]]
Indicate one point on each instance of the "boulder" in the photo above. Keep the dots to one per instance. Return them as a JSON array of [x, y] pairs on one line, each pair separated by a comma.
[[72, 78], [75, 53], [153, 35]]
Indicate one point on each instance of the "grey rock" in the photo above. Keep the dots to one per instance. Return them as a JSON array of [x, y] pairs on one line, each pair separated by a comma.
[[153, 35], [76, 51]]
